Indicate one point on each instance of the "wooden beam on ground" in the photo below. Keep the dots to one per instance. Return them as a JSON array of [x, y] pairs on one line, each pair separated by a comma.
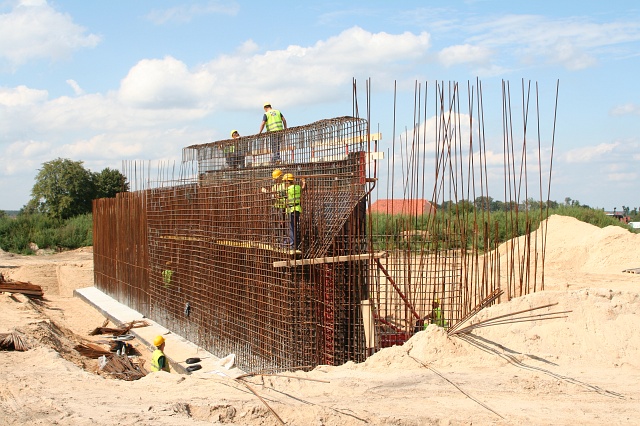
[[333, 259]]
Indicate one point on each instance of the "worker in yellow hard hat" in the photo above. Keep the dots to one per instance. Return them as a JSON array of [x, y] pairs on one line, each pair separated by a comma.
[[278, 194], [275, 122], [233, 153], [294, 209], [158, 359]]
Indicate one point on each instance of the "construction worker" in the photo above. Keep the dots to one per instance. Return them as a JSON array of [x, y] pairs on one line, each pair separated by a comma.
[[274, 121], [233, 153], [294, 208], [436, 317], [158, 359], [279, 194]]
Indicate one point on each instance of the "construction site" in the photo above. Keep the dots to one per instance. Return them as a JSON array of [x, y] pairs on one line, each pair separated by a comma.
[[200, 248]]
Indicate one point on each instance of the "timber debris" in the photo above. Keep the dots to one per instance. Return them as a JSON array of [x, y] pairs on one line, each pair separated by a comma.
[[28, 289], [12, 342]]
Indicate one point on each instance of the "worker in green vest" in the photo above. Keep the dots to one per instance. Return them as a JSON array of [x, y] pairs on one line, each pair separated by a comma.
[[294, 209], [232, 152], [436, 317], [159, 361], [278, 194], [275, 122]]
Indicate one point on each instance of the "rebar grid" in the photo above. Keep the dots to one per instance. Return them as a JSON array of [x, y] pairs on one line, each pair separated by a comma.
[[207, 253]]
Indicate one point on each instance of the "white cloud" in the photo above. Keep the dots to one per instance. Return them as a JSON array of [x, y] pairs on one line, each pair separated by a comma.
[[55, 36], [574, 43], [24, 155], [186, 13], [312, 74], [626, 109], [589, 153], [164, 84], [622, 177], [465, 53], [76, 87], [21, 96]]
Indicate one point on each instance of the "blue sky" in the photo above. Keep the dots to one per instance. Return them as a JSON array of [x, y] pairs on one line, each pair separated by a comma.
[[102, 82]]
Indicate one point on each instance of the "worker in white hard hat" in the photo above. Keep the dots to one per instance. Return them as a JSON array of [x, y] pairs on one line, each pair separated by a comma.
[[275, 122], [158, 359]]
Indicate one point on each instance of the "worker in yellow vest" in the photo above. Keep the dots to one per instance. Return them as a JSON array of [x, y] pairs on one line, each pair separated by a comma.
[[275, 122], [159, 361], [436, 317], [278, 193], [233, 153], [294, 209]]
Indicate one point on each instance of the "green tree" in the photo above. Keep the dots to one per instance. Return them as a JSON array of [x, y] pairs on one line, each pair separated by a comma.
[[483, 203], [63, 189], [109, 182]]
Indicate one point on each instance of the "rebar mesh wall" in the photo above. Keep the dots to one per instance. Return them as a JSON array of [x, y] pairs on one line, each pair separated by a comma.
[[220, 270], [120, 249], [218, 267]]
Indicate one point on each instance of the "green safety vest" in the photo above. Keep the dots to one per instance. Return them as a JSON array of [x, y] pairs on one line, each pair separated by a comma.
[[274, 120], [294, 195], [437, 318], [154, 361], [229, 149], [281, 195]]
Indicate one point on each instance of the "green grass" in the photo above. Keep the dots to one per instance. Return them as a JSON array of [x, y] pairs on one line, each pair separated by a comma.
[[16, 233]]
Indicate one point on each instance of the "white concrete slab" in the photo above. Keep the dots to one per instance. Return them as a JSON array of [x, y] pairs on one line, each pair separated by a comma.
[[177, 348]]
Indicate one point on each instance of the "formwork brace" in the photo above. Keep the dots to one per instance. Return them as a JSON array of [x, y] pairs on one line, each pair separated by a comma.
[[395, 286], [332, 259]]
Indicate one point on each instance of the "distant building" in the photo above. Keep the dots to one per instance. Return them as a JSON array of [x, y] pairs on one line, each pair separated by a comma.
[[413, 207], [618, 215]]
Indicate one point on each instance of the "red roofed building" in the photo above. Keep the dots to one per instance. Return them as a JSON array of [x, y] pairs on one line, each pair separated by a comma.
[[415, 207]]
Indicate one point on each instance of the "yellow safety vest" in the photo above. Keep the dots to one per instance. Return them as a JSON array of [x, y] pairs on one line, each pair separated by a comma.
[[294, 195], [274, 120], [281, 195], [154, 361]]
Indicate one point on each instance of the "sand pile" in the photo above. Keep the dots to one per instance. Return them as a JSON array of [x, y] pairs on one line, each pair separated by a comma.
[[579, 246], [599, 322]]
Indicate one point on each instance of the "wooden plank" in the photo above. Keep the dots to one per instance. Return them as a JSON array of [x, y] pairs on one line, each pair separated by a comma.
[[367, 319], [334, 259]]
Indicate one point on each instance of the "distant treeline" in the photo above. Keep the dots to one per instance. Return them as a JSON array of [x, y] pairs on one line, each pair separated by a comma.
[[462, 224], [453, 227], [19, 233]]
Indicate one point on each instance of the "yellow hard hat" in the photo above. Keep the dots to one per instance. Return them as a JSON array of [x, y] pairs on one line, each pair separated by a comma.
[[288, 176], [276, 173], [158, 340], [266, 104], [234, 131]]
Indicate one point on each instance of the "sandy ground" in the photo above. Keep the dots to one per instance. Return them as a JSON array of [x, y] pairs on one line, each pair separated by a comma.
[[582, 368]]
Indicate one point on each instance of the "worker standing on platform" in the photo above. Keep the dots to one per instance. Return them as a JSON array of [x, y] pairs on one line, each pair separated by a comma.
[[233, 153], [278, 193], [275, 121], [158, 359], [294, 208]]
